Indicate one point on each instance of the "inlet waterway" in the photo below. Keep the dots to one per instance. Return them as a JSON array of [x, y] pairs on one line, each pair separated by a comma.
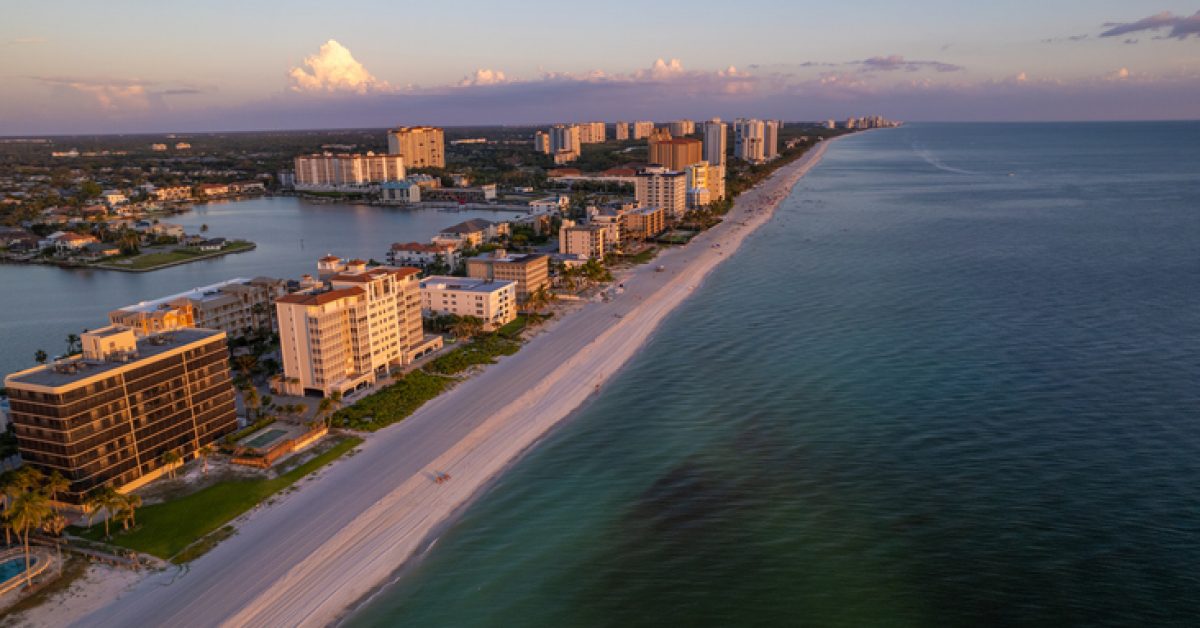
[[42, 304]]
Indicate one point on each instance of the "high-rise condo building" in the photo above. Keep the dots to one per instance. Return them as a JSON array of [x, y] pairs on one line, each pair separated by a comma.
[[748, 140], [565, 142], [715, 133], [541, 142], [591, 132], [622, 131], [680, 128], [642, 129], [661, 187], [674, 153], [420, 146], [349, 334], [108, 416], [330, 171], [771, 139]]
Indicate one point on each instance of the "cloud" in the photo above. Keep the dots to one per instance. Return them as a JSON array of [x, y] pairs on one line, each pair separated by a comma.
[[333, 69], [112, 95], [1180, 27], [483, 76], [898, 62], [1059, 40], [661, 70]]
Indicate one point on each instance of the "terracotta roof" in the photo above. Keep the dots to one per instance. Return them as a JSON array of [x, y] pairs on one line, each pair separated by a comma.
[[375, 273], [330, 258], [356, 262], [422, 247], [321, 298]]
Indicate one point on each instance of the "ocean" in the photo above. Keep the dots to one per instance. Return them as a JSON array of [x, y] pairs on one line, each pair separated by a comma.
[[953, 382]]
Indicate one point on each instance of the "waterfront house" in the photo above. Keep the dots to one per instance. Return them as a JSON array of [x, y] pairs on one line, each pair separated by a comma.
[[212, 190], [475, 232], [422, 255]]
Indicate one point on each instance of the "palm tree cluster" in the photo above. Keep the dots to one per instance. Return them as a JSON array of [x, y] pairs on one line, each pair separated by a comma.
[[30, 501]]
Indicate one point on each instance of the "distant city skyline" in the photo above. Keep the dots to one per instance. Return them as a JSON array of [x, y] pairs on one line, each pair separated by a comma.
[[127, 67]]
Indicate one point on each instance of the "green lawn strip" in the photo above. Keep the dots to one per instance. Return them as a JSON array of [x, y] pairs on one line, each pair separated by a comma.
[[483, 350], [393, 403], [166, 529]]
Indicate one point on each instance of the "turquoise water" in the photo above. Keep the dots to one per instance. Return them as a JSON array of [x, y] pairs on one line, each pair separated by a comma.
[[953, 382], [11, 568]]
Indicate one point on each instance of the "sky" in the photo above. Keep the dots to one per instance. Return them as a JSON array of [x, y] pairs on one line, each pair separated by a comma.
[[128, 66]]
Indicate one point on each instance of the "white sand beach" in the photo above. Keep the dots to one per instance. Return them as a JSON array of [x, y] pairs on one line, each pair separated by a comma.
[[314, 552]]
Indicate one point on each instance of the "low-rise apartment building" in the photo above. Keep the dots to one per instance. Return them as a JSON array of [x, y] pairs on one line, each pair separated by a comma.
[[108, 416], [493, 302], [237, 307], [328, 171], [529, 271], [644, 223], [474, 232], [587, 240], [171, 193], [423, 255]]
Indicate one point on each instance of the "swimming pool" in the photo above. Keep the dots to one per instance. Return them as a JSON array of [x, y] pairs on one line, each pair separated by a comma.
[[13, 567], [264, 438]]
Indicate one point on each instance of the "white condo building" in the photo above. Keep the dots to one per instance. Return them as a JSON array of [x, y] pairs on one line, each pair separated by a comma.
[[642, 129], [622, 131], [771, 139], [492, 301], [330, 171], [748, 140]]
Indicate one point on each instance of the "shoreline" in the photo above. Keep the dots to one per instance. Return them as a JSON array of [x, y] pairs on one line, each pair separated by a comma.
[[287, 567]]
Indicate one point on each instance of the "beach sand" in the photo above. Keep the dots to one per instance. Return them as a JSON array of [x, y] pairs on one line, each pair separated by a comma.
[[314, 553]]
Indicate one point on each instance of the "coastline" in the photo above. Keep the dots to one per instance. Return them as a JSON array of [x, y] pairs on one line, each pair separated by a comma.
[[286, 566]]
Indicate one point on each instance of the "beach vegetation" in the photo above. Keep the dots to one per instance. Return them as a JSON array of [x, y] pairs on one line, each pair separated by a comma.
[[168, 528]]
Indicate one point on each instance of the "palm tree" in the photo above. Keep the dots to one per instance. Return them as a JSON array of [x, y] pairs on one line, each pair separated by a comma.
[[128, 509], [107, 499], [466, 327], [10, 491], [170, 459], [252, 400], [246, 363], [56, 484], [28, 512], [204, 228], [325, 410], [204, 452], [72, 342], [40, 356], [539, 300]]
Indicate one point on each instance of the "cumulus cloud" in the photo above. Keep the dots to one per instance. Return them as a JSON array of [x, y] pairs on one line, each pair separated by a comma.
[[898, 62], [483, 76], [333, 69], [1181, 27]]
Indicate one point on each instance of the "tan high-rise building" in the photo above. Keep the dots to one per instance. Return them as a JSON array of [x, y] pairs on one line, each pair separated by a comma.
[[565, 142], [591, 132], [642, 129], [349, 335], [541, 142], [771, 139], [680, 128], [420, 146], [107, 416], [622, 131], [328, 171], [661, 187], [714, 142], [529, 271], [674, 153]]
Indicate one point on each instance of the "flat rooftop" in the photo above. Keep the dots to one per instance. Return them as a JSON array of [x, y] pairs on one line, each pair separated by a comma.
[[202, 293], [464, 284], [54, 376]]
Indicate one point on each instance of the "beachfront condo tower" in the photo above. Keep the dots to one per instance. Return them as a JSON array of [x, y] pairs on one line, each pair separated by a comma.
[[109, 415]]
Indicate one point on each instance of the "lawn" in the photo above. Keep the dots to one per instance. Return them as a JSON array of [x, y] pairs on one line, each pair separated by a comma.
[[393, 403], [147, 261], [167, 529]]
